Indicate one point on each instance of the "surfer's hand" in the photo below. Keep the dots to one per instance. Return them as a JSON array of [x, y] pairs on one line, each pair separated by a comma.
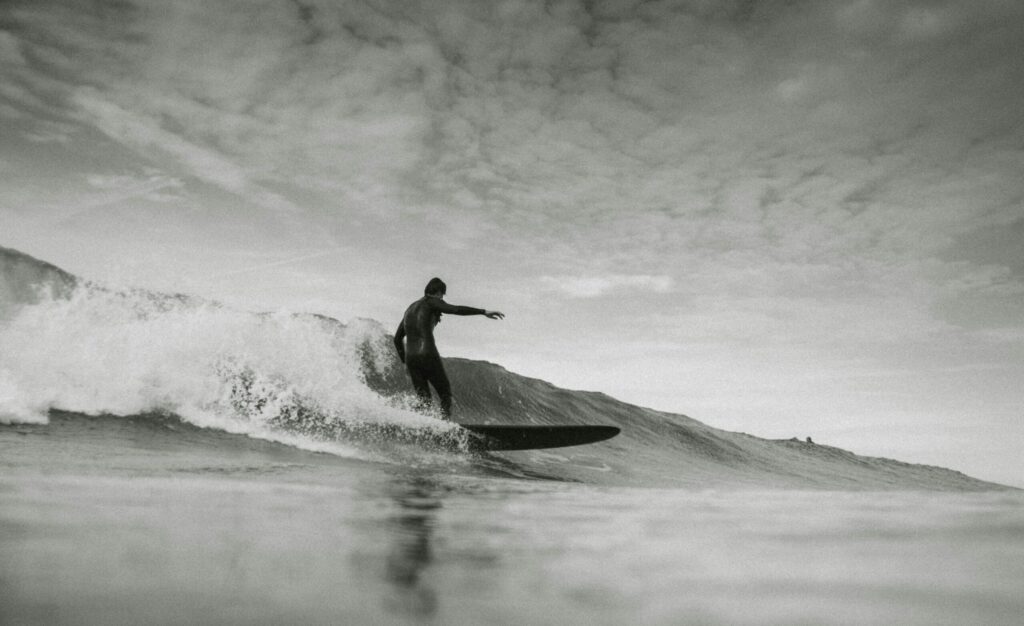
[[495, 315]]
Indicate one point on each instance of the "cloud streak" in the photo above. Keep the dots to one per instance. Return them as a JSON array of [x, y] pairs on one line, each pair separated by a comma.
[[595, 286]]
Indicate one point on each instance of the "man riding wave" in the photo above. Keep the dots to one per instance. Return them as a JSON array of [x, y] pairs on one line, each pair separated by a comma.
[[414, 341]]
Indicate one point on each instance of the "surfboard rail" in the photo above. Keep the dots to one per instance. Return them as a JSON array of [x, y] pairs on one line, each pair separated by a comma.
[[498, 437]]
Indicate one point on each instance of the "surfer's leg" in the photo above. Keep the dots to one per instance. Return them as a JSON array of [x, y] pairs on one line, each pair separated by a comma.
[[439, 379], [420, 381]]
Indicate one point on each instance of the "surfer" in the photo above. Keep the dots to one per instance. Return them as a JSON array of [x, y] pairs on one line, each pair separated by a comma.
[[414, 341]]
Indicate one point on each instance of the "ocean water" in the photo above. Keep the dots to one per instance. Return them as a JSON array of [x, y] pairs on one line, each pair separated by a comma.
[[167, 460], [103, 523]]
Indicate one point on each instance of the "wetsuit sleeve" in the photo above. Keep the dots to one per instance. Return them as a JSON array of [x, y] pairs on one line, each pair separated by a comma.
[[400, 340], [454, 309]]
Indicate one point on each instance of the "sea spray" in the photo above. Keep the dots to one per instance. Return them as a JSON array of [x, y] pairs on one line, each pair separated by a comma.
[[96, 350]]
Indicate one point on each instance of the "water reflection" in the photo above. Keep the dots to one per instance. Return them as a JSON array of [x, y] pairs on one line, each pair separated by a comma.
[[412, 526]]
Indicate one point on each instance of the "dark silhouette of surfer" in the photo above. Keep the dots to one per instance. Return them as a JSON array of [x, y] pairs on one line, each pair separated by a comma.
[[414, 341]]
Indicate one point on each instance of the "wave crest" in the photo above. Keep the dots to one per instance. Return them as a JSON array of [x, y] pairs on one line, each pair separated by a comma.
[[83, 347]]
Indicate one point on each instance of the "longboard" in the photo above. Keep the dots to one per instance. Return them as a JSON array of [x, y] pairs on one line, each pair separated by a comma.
[[533, 437]]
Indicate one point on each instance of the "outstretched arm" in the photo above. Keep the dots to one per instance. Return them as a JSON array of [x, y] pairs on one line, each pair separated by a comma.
[[400, 341], [454, 309]]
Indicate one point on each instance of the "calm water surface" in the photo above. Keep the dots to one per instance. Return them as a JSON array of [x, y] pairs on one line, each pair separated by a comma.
[[290, 543]]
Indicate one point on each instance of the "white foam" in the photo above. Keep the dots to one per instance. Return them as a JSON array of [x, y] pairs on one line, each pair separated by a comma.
[[15, 407], [100, 351]]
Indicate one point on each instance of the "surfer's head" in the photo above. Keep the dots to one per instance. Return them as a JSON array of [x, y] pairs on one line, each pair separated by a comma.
[[435, 287]]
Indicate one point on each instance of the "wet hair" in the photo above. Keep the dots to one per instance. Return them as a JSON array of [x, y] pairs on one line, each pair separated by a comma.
[[436, 285]]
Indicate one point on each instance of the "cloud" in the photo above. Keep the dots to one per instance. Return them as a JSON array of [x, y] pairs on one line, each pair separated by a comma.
[[10, 50], [532, 115], [261, 267], [117, 188], [736, 150], [595, 286], [204, 163]]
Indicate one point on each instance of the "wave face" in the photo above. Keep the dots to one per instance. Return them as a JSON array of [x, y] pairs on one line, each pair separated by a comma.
[[25, 280], [309, 381]]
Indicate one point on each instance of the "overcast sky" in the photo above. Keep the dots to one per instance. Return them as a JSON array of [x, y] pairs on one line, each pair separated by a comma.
[[787, 217]]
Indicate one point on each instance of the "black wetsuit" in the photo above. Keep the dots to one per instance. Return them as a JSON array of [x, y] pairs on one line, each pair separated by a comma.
[[419, 352]]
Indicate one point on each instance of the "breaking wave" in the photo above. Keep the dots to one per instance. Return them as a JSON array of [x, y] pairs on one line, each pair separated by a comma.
[[78, 346], [307, 380]]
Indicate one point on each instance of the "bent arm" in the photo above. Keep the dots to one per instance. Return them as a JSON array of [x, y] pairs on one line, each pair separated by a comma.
[[400, 340]]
